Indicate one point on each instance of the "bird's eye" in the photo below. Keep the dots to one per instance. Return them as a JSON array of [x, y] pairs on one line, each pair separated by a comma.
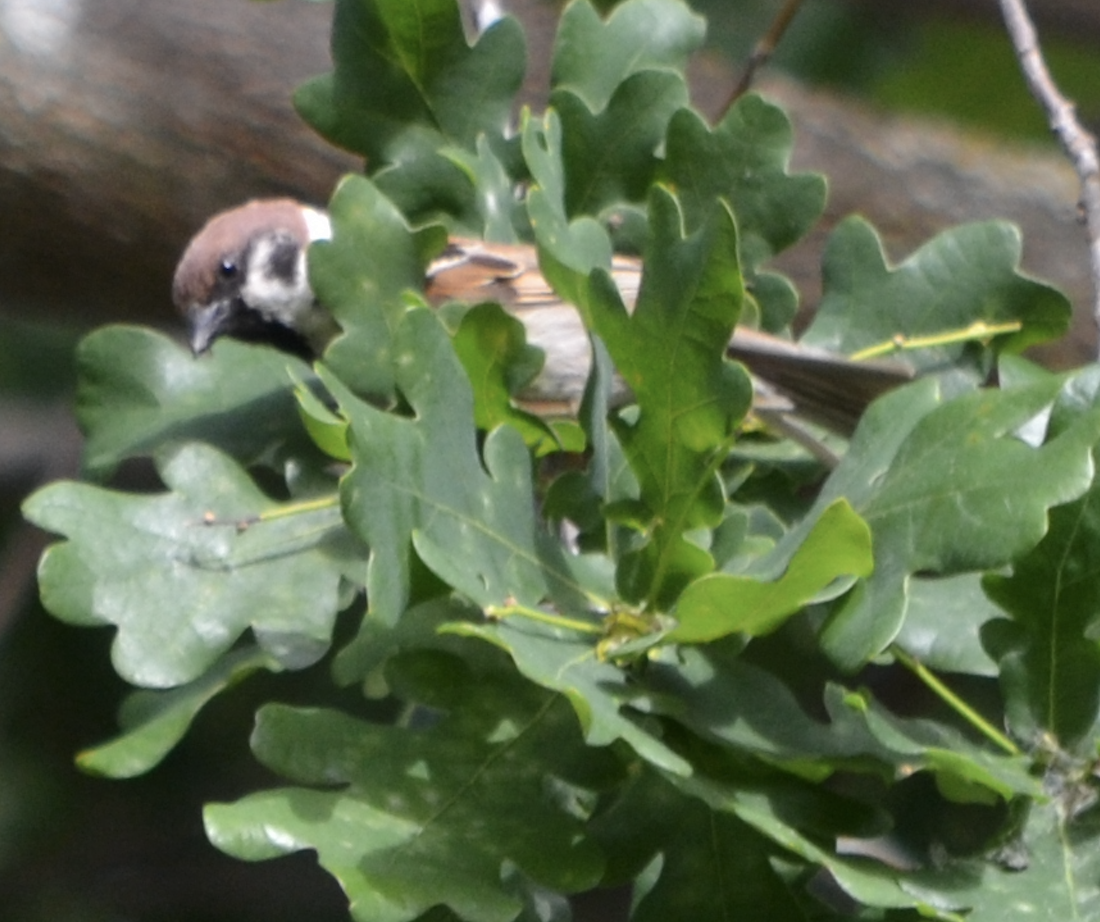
[[227, 269]]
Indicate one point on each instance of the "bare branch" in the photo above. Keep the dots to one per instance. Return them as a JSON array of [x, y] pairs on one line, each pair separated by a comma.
[[1079, 144], [763, 51]]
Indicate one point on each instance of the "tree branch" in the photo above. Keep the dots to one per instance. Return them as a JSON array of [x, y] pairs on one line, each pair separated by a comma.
[[763, 51], [1079, 144]]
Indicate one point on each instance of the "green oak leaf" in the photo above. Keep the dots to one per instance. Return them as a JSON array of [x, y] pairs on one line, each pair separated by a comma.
[[610, 157], [406, 86], [947, 488], [671, 352], [1046, 647], [182, 575], [406, 81], [138, 390], [738, 705], [418, 628], [154, 721], [678, 853], [767, 810], [421, 481], [499, 211], [407, 820], [564, 660], [839, 545], [964, 275], [569, 250], [493, 350], [592, 58], [363, 276], [965, 771], [743, 707], [327, 430], [744, 160], [1049, 873], [430, 187], [943, 620]]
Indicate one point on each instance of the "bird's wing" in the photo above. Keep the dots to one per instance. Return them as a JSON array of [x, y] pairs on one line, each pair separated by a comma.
[[825, 388]]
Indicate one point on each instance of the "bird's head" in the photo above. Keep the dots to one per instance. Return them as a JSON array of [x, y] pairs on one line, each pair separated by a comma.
[[244, 275]]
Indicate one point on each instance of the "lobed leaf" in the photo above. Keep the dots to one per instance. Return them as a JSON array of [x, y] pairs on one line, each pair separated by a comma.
[[363, 276], [839, 545], [943, 621], [565, 661], [140, 390], [964, 275], [154, 721], [182, 575], [422, 482], [569, 250], [671, 352], [1046, 647], [493, 350], [744, 160], [593, 57], [406, 820], [991, 508], [364, 658], [748, 710], [610, 157], [406, 80], [498, 209]]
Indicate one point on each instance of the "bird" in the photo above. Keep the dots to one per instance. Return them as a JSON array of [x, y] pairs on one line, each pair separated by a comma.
[[244, 275]]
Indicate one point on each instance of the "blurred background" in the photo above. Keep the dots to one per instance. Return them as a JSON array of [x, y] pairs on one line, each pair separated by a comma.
[[125, 123]]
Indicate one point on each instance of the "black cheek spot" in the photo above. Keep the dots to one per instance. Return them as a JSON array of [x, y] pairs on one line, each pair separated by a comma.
[[284, 260]]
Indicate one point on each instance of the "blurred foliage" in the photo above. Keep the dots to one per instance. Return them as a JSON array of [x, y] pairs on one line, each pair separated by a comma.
[[910, 60], [966, 71]]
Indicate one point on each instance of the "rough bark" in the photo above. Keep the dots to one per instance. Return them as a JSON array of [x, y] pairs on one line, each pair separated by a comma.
[[124, 123]]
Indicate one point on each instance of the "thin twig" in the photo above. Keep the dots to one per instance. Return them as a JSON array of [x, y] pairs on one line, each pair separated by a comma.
[[978, 331], [500, 612], [953, 701], [1079, 144], [763, 51]]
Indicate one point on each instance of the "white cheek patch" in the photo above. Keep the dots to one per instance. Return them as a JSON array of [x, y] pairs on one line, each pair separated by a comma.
[[287, 301]]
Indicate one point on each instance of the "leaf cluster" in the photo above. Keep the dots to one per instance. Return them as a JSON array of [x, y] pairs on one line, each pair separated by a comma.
[[658, 646]]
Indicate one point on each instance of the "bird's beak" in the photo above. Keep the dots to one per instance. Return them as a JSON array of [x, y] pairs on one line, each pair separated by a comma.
[[208, 322]]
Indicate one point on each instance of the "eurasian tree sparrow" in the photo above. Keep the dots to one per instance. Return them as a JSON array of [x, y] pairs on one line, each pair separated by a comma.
[[244, 275]]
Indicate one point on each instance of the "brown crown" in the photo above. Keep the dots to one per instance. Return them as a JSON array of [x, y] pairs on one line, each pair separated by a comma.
[[224, 237]]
